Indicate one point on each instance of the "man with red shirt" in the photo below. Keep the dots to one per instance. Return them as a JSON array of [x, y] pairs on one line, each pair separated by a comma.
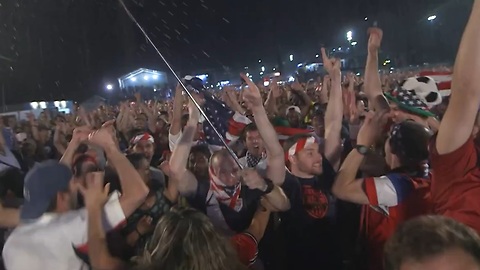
[[454, 158]]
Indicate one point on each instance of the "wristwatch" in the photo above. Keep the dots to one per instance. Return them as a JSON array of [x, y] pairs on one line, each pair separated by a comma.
[[362, 149], [268, 187]]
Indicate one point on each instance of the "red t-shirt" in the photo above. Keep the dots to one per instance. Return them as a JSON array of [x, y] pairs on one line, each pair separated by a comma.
[[456, 184], [246, 246], [394, 198]]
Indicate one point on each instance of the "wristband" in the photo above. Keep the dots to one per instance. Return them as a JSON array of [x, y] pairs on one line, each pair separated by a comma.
[[270, 187]]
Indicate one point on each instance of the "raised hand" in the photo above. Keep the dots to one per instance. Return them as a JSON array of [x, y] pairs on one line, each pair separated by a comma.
[[331, 65], [95, 193], [81, 134], [251, 94], [252, 179], [104, 137], [275, 89], [375, 39]]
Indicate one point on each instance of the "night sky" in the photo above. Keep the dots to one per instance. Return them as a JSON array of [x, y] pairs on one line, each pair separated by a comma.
[[69, 49]]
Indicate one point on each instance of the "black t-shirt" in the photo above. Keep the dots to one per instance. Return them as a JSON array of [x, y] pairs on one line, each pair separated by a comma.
[[309, 226], [236, 221]]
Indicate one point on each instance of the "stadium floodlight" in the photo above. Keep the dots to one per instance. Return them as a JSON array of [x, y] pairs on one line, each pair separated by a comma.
[[34, 105], [431, 18], [145, 78], [109, 87], [133, 79], [155, 77], [63, 104], [43, 104], [349, 36], [56, 103]]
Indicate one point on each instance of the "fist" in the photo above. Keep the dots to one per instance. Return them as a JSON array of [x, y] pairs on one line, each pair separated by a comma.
[[252, 179], [251, 94], [375, 39], [103, 137]]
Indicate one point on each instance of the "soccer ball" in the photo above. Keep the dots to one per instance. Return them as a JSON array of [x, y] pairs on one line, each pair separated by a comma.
[[425, 89]]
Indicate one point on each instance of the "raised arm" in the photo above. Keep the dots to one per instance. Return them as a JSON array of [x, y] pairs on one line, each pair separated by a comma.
[[176, 124], [80, 134], [334, 112], [275, 155], [134, 189], [373, 84], [95, 199], [457, 124], [187, 183], [151, 117]]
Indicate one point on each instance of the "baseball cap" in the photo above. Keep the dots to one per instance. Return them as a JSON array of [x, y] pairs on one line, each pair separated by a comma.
[[295, 108], [42, 183]]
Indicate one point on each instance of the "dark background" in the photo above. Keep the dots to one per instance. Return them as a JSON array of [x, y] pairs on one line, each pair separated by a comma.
[[69, 49]]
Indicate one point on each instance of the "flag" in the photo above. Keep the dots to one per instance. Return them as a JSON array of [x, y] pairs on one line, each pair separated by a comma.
[[230, 124], [442, 79]]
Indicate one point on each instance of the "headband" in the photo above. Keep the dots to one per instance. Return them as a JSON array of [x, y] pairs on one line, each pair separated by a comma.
[[300, 145], [142, 137]]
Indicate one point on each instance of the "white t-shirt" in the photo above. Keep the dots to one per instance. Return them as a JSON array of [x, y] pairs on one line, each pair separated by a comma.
[[51, 241]]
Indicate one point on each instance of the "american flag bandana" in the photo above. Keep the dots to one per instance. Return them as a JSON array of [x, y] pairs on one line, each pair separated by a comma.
[[224, 195], [142, 137]]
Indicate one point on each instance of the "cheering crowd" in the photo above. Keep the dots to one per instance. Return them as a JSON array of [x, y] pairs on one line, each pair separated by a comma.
[[342, 172]]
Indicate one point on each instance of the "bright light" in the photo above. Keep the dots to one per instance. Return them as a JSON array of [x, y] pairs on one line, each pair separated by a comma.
[[63, 104], [388, 61], [358, 74], [259, 60], [248, 75], [333, 49], [145, 78], [261, 73], [354, 43], [291, 79], [56, 103], [291, 57], [247, 67], [276, 74], [109, 87], [366, 19], [266, 83], [34, 105], [133, 79], [154, 90], [316, 56], [339, 48], [223, 83], [263, 68], [431, 18], [274, 69], [43, 104], [155, 77], [349, 36], [299, 65]]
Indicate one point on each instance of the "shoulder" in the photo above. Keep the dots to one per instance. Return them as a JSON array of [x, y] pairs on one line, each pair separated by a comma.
[[246, 246]]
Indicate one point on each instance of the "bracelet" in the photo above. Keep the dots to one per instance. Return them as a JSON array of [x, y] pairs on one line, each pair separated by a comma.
[[270, 187]]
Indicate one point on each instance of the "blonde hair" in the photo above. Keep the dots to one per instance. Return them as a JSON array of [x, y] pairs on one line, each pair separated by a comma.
[[185, 239]]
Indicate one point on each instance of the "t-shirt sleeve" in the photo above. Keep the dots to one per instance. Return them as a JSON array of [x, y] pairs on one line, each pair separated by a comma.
[[113, 215], [388, 190], [452, 166], [246, 246], [173, 139]]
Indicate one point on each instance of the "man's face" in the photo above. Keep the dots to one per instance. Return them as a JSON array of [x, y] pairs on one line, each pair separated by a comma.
[[309, 160], [198, 163], [318, 124], [140, 121], [453, 259], [254, 143], [227, 172], [145, 147], [293, 118]]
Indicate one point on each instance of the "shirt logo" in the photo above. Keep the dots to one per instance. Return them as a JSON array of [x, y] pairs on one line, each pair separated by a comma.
[[315, 202]]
